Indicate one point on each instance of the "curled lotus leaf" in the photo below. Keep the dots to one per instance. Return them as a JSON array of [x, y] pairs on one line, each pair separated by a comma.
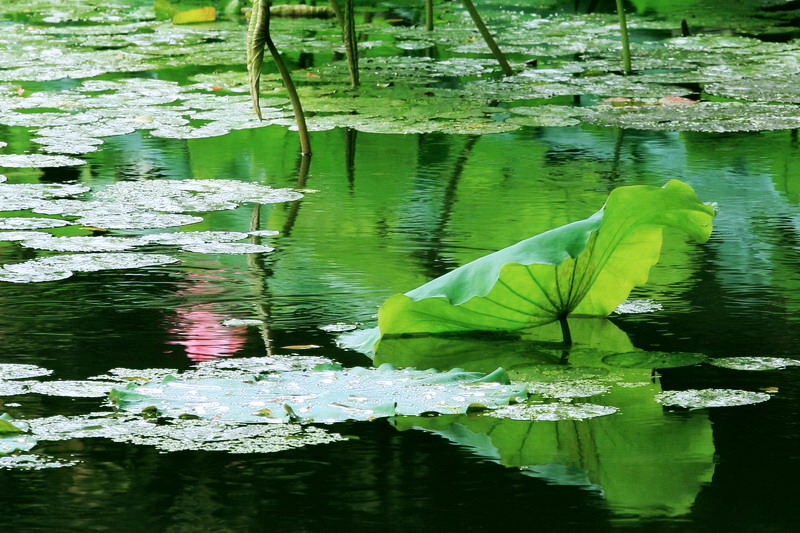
[[583, 268]]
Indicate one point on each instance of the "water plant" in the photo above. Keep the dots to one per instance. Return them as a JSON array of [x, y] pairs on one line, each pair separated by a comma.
[[584, 268]]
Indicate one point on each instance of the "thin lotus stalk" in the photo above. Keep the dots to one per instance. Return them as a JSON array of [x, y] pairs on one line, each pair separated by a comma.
[[257, 38], [490, 42], [337, 10], [626, 44], [429, 15], [350, 42]]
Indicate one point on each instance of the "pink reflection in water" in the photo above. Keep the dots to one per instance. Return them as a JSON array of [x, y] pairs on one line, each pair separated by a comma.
[[200, 329]]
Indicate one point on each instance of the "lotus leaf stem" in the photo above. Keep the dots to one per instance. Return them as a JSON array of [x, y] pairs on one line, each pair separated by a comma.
[[565, 333], [429, 15], [350, 42], [490, 42], [337, 10], [626, 44]]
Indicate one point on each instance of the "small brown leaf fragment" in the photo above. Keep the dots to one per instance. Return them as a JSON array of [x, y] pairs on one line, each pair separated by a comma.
[[771, 390], [675, 101], [300, 347]]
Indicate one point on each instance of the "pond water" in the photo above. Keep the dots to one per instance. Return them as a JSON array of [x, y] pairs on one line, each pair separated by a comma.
[[374, 214]]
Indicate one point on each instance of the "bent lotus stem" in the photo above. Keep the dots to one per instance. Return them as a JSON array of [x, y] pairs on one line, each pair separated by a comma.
[[429, 15], [626, 44], [257, 38], [487, 37], [565, 333], [350, 42]]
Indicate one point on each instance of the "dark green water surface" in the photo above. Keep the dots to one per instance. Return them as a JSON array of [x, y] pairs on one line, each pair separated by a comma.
[[389, 213]]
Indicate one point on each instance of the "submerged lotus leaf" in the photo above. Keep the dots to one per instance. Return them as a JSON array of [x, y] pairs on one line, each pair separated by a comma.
[[754, 363], [553, 411], [22, 371], [38, 161], [15, 223], [586, 268], [182, 434], [694, 398], [583, 388], [635, 307], [715, 117], [653, 359], [82, 244], [227, 248], [323, 395], [31, 462], [193, 237], [63, 266], [140, 220]]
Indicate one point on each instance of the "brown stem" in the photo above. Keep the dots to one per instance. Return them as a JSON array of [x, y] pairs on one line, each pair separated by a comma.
[[490, 42]]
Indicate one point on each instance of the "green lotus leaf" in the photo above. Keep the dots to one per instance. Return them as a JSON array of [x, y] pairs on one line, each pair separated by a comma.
[[642, 359], [584, 268]]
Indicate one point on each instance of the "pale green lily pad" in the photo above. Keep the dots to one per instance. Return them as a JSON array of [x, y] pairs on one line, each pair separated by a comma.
[[784, 90], [32, 462], [13, 388], [21, 223], [22, 371], [140, 220], [236, 366], [715, 117], [754, 363], [182, 434], [553, 411], [38, 161], [122, 375], [653, 359], [193, 237], [227, 248], [63, 266], [71, 389], [694, 398], [567, 389], [323, 395], [82, 244]]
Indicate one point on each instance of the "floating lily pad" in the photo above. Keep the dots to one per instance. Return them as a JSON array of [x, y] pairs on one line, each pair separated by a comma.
[[653, 359], [324, 395], [784, 89], [71, 389], [32, 462], [227, 248], [132, 374], [182, 434], [38, 161], [13, 388], [694, 398], [137, 221], [21, 371], [265, 232], [754, 363], [717, 117], [553, 411], [17, 223], [194, 237], [82, 244], [63, 266], [235, 366]]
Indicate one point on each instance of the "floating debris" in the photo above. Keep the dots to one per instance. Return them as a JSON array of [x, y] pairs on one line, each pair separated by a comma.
[[632, 307], [695, 398], [241, 322], [754, 363], [339, 327]]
